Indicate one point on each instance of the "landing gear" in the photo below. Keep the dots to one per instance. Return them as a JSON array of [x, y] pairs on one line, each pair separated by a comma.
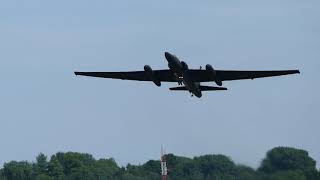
[[180, 79]]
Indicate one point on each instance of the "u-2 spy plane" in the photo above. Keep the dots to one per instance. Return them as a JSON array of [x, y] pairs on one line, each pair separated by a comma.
[[191, 78]]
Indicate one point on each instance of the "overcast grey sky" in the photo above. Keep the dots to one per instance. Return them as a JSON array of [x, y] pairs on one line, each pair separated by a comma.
[[45, 108]]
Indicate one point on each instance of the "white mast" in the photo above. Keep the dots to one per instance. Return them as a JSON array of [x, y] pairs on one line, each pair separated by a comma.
[[164, 170]]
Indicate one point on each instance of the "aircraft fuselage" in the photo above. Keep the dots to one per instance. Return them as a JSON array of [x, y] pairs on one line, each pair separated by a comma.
[[174, 64], [180, 70]]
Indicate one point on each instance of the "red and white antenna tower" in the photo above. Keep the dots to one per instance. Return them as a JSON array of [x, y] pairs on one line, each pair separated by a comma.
[[164, 170]]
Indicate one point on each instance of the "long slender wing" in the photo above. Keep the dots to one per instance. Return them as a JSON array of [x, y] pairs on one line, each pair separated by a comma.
[[196, 75], [226, 75], [162, 75]]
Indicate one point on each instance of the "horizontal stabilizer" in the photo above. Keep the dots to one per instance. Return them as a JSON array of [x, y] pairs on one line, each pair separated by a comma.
[[202, 88], [212, 88], [182, 88]]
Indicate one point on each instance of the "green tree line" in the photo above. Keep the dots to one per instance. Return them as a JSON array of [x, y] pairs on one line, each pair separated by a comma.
[[280, 163]]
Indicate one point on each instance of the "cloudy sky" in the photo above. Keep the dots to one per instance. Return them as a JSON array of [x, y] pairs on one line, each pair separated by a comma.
[[45, 108]]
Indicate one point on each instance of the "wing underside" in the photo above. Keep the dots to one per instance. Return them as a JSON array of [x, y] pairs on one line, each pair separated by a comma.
[[162, 75], [196, 75], [226, 75]]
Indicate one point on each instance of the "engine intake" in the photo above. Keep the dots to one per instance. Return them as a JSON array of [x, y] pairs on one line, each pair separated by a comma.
[[184, 66], [150, 73], [213, 73], [210, 70]]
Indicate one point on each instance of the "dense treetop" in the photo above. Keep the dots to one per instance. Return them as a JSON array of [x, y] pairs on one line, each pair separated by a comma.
[[281, 163]]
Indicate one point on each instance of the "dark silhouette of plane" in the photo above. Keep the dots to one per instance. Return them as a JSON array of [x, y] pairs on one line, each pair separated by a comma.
[[191, 78]]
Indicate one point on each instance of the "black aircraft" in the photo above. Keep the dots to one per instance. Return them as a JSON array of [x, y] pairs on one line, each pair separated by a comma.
[[191, 78]]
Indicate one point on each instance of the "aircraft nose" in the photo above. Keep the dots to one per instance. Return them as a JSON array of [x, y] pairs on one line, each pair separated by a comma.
[[167, 55]]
